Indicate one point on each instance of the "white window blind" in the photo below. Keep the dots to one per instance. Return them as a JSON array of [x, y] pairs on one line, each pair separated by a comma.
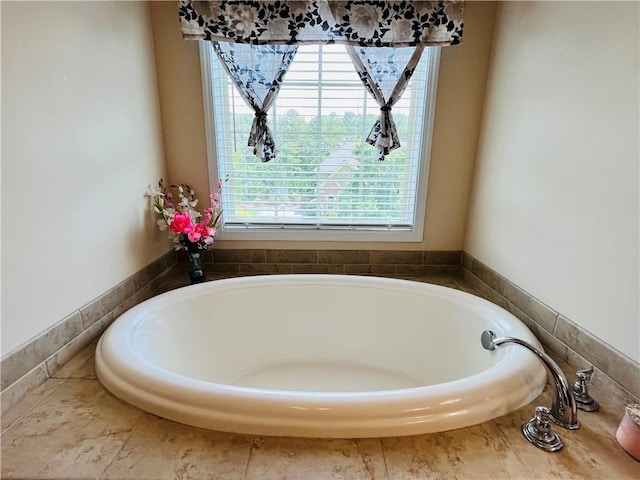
[[325, 180]]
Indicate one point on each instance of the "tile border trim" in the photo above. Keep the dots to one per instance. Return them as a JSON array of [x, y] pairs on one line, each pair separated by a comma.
[[29, 365], [570, 342], [331, 261]]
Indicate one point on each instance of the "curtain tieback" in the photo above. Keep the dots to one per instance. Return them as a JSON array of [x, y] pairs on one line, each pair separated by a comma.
[[259, 126], [260, 121], [261, 139], [385, 117]]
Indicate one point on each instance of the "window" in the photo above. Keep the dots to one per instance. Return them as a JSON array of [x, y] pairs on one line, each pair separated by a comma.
[[326, 182]]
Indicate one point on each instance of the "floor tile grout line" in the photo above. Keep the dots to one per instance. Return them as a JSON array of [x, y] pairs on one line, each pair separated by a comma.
[[62, 382], [384, 458], [249, 455], [363, 460], [115, 455]]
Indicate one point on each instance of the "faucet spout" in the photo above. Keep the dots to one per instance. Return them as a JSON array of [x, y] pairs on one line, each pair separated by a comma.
[[563, 410]]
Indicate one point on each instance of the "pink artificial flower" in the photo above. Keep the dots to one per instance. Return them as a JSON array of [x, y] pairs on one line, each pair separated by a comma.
[[215, 197], [199, 231], [204, 229], [181, 223], [194, 236]]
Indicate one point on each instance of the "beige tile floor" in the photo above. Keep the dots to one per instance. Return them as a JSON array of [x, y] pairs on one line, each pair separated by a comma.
[[70, 427]]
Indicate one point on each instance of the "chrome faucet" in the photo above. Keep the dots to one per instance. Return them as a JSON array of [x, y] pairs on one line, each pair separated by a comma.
[[563, 409]]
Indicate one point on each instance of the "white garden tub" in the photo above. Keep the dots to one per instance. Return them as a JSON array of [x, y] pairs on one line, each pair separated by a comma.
[[318, 356]]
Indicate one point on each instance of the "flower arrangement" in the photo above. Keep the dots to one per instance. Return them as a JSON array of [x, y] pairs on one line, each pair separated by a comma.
[[189, 228]]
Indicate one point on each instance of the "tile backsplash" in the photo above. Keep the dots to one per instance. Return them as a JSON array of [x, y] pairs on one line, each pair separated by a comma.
[[375, 262]]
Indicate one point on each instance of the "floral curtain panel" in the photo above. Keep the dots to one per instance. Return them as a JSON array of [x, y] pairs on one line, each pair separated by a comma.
[[365, 23], [385, 73], [257, 71]]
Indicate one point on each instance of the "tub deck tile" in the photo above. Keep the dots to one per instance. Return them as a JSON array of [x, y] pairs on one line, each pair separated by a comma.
[[274, 458], [160, 449], [477, 451], [74, 433], [30, 401], [591, 452]]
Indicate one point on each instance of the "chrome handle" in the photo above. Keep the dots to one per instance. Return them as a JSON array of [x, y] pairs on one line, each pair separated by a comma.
[[584, 401], [539, 432]]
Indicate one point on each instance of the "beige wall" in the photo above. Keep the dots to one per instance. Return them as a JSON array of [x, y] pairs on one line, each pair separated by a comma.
[[555, 198], [458, 109], [81, 140]]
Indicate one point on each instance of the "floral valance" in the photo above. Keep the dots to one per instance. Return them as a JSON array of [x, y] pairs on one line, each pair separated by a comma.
[[364, 23]]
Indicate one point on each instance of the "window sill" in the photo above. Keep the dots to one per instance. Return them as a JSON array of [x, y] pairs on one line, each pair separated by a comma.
[[320, 234]]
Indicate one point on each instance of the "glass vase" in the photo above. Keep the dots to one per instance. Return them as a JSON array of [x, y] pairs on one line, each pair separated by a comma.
[[195, 261], [196, 267]]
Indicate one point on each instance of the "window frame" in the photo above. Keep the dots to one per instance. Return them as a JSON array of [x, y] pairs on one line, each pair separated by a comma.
[[335, 233]]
